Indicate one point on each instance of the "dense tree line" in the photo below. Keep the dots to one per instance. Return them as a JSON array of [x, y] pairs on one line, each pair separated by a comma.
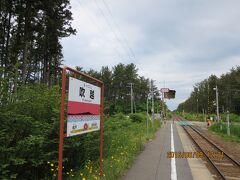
[[30, 33], [29, 124], [203, 95], [117, 88]]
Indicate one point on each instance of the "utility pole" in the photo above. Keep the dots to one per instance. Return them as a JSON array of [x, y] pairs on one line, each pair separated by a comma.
[[197, 103], [228, 128], [208, 107], [147, 114], [135, 109], [197, 107], [216, 89], [150, 94], [163, 107], [204, 118], [131, 93], [164, 113], [131, 98], [152, 99], [218, 118]]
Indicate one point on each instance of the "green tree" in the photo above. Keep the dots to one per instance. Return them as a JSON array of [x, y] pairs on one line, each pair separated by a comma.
[[229, 94]]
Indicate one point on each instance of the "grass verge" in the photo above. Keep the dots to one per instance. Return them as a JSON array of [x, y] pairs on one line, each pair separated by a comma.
[[234, 132], [124, 139], [200, 117]]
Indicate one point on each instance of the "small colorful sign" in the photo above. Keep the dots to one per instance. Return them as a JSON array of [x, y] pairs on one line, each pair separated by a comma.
[[164, 90], [83, 107]]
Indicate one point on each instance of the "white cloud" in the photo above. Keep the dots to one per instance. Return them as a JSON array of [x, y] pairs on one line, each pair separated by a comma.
[[179, 42]]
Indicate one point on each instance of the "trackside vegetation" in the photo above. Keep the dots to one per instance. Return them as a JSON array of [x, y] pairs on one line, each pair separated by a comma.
[[234, 118], [29, 127], [124, 138], [234, 131]]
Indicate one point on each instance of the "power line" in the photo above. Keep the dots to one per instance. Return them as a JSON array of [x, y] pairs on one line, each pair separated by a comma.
[[117, 27], [100, 31], [112, 29]]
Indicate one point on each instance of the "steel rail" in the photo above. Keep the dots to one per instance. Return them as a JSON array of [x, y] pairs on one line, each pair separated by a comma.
[[216, 146], [217, 169]]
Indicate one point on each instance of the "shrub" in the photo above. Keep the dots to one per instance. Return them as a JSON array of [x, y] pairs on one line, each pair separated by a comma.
[[137, 117], [234, 130], [119, 116], [29, 127]]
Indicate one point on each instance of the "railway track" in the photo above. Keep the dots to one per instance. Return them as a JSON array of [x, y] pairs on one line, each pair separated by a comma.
[[226, 167]]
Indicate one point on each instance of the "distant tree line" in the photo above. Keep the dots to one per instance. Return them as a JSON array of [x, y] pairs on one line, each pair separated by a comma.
[[203, 95]]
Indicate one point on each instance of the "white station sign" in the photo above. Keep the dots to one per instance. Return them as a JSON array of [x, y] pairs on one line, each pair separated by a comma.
[[83, 107], [164, 90]]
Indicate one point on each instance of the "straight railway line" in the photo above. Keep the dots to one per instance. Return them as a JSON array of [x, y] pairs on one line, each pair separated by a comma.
[[226, 166]]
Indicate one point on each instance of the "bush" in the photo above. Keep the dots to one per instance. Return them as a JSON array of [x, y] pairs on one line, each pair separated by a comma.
[[119, 116], [137, 117], [234, 129], [27, 127], [223, 117]]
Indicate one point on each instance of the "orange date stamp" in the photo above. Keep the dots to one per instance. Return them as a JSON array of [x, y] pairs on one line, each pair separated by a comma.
[[215, 155], [197, 154], [183, 154]]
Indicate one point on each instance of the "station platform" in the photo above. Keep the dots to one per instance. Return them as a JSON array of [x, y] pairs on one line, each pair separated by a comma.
[[154, 162]]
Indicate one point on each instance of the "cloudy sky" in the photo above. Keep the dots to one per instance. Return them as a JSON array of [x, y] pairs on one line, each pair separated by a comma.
[[179, 42]]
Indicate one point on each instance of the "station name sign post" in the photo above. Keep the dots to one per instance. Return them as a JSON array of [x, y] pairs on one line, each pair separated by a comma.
[[85, 110]]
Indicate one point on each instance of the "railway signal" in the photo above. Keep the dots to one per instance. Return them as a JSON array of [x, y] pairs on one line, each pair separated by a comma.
[[170, 94]]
